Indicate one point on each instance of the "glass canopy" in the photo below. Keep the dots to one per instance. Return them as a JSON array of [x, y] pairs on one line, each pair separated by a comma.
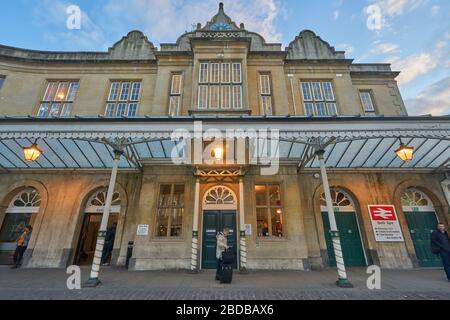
[[88, 143]]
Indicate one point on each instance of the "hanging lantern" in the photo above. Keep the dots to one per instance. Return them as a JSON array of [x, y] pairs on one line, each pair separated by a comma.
[[404, 152], [32, 152], [218, 153]]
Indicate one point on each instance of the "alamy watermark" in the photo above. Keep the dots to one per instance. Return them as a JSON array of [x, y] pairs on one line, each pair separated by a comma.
[[374, 17], [74, 280], [374, 280], [73, 21], [212, 146]]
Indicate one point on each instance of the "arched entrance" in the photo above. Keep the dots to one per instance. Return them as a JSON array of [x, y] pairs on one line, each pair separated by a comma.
[[219, 212], [347, 223], [92, 217], [421, 219], [21, 212]]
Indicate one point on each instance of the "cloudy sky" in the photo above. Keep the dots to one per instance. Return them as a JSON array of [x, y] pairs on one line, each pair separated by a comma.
[[413, 35]]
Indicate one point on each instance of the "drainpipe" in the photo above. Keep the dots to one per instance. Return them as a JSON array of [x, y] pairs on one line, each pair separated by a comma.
[[342, 281], [95, 270]]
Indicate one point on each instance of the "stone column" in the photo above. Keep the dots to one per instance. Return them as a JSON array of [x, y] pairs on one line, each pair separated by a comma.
[[93, 279], [194, 253], [342, 280], [243, 242]]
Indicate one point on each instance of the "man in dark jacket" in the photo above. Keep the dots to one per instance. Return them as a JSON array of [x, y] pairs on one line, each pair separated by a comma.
[[109, 243], [440, 244]]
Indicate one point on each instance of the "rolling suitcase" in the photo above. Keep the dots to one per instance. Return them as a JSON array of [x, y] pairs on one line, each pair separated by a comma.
[[227, 273]]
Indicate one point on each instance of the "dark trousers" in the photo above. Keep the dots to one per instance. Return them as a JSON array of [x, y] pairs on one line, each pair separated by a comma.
[[445, 256], [18, 255], [219, 269], [107, 250]]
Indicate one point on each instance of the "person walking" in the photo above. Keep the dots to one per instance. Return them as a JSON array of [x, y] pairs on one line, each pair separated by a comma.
[[222, 245], [440, 244], [109, 244], [22, 244]]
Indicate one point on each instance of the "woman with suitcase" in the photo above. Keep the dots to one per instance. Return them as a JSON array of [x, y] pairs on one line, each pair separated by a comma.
[[221, 246]]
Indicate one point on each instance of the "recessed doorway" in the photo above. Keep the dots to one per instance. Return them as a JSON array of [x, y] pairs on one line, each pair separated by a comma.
[[219, 212], [92, 218]]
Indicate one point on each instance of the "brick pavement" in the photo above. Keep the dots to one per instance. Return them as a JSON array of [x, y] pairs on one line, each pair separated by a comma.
[[120, 284]]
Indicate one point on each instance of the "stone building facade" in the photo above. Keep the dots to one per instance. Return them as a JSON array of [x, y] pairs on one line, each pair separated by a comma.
[[225, 73]]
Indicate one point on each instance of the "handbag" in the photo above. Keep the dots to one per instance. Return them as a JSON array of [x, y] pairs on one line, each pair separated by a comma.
[[435, 249], [228, 256]]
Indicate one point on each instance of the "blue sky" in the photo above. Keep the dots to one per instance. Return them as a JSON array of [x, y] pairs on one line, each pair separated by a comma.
[[413, 35]]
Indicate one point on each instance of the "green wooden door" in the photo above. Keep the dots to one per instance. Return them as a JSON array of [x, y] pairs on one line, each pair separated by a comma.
[[421, 225], [350, 239], [214, 222]]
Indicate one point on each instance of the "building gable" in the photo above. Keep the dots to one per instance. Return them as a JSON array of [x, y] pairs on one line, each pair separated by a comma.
[[307, 45]]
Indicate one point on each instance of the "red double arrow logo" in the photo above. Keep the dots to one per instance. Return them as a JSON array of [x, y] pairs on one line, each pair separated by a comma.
[[383, 213]]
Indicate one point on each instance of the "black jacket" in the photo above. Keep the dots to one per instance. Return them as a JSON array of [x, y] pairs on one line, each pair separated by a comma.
[[110, 234], [436, 245]]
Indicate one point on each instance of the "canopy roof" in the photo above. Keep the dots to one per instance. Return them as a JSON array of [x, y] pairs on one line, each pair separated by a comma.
[[349, 142]]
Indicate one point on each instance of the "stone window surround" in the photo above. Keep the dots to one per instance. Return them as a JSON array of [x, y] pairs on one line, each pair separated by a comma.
[[173, 95], [118, 100], [372, 100], [172, 189], [204, 80], [268, 206], [314, 101], [268, 94], [66, 105]]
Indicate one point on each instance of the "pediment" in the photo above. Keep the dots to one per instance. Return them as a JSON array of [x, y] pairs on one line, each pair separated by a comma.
[[221, 22], [134, 46], [307, 45]]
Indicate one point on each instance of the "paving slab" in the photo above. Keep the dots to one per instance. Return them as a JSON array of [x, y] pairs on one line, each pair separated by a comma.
[[121, 284]]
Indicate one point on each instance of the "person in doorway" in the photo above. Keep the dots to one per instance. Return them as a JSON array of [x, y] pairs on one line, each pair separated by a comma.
[[265, 229], [279, 229], [222, 245], [440, 244], [22, 244], [109, 243]]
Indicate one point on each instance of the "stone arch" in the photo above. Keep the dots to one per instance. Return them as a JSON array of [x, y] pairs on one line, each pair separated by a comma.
[[79, 212], [413, 197], [437, 204], [341, 199], [319, 222], [219, 197], [10, 193], [21, 212]]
